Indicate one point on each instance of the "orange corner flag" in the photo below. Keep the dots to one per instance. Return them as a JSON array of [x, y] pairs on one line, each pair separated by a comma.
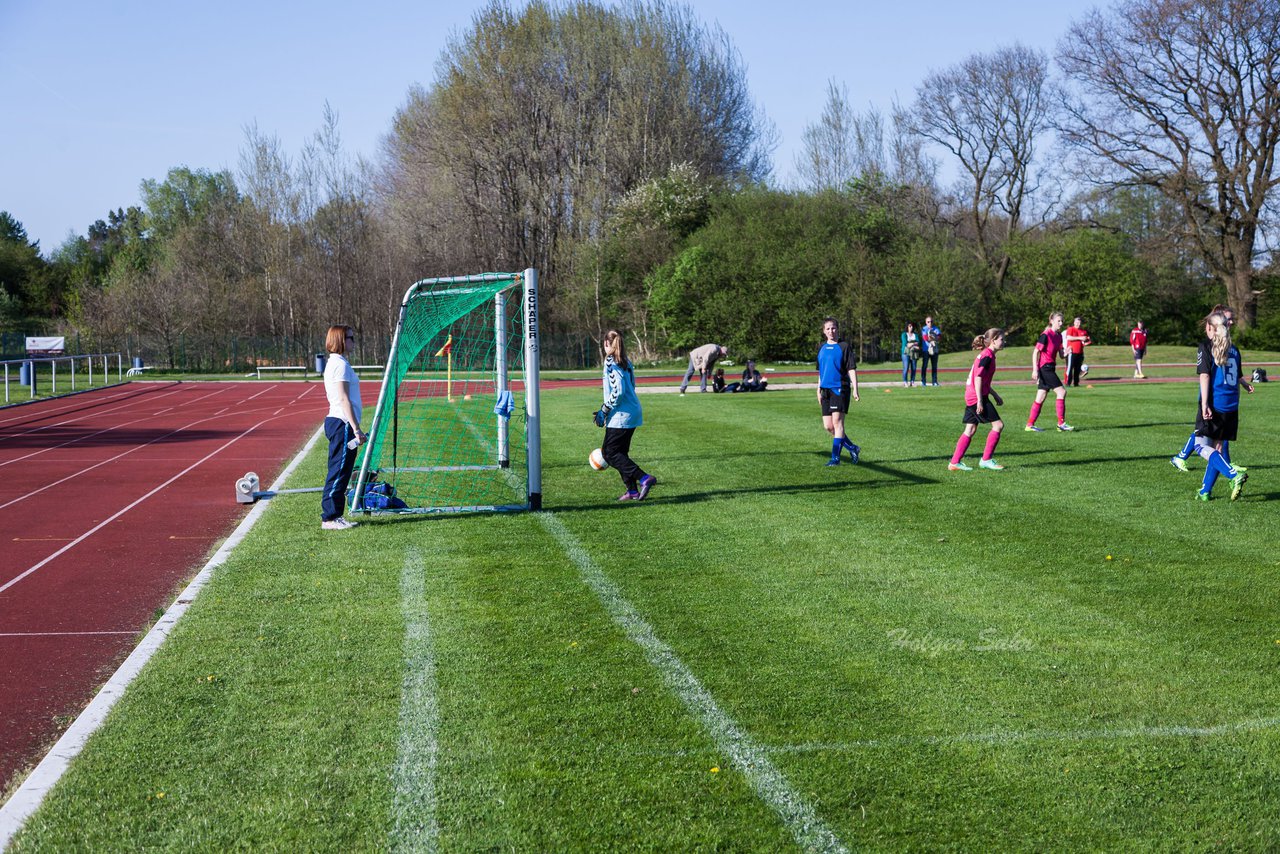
[[447, 348]]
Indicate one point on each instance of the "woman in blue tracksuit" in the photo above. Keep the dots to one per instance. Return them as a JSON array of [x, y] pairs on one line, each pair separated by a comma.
[[620, 416], [341, 426]]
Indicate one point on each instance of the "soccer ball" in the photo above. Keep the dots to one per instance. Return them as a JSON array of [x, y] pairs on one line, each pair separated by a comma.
[[1084, 369], [597, 460]]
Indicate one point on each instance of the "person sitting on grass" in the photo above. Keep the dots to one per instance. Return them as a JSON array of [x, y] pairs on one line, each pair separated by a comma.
[[751, 378]]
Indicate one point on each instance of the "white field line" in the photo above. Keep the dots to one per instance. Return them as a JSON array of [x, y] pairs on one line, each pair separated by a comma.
[[88, 469], [31, 793], [413, 811], [1013, 737], [98, 527], [806, 828]]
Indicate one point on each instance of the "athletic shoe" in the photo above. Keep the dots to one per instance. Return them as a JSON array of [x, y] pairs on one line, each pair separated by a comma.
[[935, 385], [646, 483], [339, 524], [1202, 496], [904, 385], [629, 495], [1065, 427], [854, 454], [991, 465], [1237, 484], [1179, 463], [958, 467], [834, 461], [682, 394], [1031, 428]]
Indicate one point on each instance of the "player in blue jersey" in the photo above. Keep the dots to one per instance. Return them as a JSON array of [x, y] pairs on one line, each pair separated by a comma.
[[1219, 369], [1179, 460], [837, 383]]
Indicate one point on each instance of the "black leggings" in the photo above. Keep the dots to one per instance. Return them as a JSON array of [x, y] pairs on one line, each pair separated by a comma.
[[1074, 362], [616, 450]]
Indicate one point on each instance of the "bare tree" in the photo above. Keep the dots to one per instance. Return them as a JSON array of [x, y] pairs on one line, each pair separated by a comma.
[[1183, 96], [989, 112], [828, 148]]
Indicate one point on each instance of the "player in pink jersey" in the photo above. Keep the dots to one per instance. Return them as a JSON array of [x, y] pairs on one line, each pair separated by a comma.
[[1044, 370], [977, 399]]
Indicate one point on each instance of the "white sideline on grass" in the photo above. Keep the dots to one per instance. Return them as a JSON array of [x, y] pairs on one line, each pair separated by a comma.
[[806, 828], [413, 809], [28, 797]]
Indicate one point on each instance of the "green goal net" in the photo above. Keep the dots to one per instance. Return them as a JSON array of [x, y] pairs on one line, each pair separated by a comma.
[[456, 423]]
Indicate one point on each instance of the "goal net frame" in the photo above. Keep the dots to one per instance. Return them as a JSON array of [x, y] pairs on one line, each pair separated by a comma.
[[387, 410]]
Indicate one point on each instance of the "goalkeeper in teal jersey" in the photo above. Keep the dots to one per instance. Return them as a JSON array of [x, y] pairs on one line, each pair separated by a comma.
[[1219, 369], [837, 383]]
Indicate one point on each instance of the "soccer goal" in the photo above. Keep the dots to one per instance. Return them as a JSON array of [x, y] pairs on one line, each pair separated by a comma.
[[456, 428]]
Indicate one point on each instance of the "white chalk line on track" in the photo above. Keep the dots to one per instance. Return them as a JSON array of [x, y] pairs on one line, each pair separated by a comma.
[[58, 405], [11, 582], [59, 634], [751, 759], [118, 456], [414, 825], [70, 441], [28, 797]]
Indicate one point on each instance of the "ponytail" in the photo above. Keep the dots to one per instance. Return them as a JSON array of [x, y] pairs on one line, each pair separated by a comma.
[[987, 338]]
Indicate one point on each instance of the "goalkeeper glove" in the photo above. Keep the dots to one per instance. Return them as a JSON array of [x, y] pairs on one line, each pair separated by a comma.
[[600, 416]]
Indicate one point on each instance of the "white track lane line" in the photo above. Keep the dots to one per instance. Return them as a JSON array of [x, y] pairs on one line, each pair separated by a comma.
[[90, 468], [58, 634], [134, 421], [751, 759], [28, 797], [414, 826], [20, 414], [72, 441], [121, 512]]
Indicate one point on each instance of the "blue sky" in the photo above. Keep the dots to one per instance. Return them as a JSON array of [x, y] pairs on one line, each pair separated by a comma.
[[99, 96]]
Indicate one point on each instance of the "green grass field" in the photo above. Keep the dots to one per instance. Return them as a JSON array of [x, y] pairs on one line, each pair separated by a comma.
[[765, 655]]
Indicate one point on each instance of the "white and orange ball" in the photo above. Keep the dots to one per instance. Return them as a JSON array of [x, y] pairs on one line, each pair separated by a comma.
[[597, 460]]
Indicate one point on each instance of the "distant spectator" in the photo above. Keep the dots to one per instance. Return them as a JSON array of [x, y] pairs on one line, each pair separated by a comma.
[[717, 381], [703, 360], [930, 337], [1075, 339], [910, 355], [1138, 341]]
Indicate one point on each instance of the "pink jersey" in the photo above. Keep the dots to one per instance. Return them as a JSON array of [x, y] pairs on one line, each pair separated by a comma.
[[980, 376], [1050, 344]]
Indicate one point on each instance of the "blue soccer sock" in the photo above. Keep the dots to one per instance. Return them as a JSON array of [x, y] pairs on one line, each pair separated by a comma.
[[1226, 452], [1189, 448], [836, 445], [1210, 478], [845, 443]]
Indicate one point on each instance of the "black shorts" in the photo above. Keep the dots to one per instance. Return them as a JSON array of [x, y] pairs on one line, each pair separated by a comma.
[[1220, 428], [1139, 352], [834, 400], [1048, 378], [988, 415]]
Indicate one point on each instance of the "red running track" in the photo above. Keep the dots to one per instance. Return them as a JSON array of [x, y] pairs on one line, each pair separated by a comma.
[[109, 502]]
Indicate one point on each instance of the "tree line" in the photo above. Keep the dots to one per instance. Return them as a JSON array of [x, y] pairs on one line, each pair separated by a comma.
[[617, 149]]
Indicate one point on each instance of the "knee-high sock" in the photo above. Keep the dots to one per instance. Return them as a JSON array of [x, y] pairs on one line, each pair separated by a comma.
[[1217, 465], [1035, 412], [962, 445], [993, 438], [847, 443], [1060, 405], [1226, 452], [1190, 447], [836, 445]]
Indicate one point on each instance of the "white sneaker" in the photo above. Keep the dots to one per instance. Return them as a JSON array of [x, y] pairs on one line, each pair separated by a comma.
[[339, 524]]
